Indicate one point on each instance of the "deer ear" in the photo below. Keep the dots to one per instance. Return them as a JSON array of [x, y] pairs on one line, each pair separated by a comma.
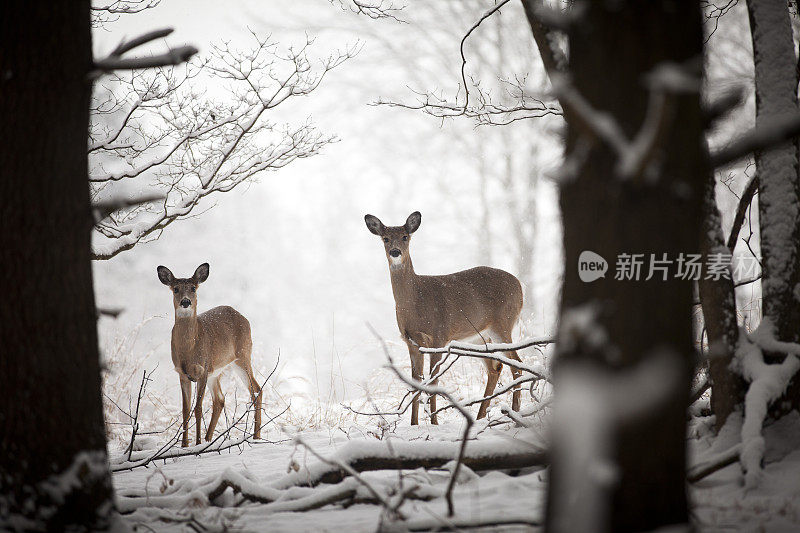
[[165, 276], [374, 225], [201, 274], [413, 221]]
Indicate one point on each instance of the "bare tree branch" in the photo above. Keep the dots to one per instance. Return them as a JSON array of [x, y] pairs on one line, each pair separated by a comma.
[[759, 138], [178, 143], [741, 211], [115, 61]]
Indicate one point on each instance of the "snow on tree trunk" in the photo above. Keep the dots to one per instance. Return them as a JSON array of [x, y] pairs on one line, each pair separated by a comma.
[[622, 331], [777, 168], [779, 190], [53, 465]]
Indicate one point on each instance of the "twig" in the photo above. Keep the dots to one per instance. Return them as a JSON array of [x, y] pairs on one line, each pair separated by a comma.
[[427, 389], [135, 418], [699, 391], [115, 61], [741, 211], [165, 451], [472, 28]]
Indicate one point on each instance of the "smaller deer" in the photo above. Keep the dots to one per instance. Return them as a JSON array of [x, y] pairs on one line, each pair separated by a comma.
[[203, 346], [433, 310]]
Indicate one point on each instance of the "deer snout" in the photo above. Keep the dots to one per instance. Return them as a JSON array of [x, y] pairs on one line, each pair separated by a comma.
[[394, 252], [186, 302]]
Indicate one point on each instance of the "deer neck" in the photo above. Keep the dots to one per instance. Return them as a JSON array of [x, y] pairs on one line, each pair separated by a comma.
[[404, 283], [185, 332]]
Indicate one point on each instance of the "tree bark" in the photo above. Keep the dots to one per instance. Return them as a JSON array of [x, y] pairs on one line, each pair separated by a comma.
[[612, 48], [53, 466], [718, 301], [779, 182]]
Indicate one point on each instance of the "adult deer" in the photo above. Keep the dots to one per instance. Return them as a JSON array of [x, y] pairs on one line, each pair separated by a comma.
[[433, 310], [203, 346]]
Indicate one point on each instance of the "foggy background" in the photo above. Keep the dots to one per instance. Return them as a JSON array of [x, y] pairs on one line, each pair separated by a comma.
[[291, 252]]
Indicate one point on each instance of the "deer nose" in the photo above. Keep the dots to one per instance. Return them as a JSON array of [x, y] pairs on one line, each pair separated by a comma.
[[394, 252], [186, 302]]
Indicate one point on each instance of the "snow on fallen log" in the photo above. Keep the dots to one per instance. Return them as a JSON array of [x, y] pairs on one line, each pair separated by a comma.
[[713, 464], [767, 384], [488, 454]]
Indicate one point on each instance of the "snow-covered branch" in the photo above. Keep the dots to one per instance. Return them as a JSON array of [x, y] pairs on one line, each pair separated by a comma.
[[374, 9], [767, 383], [149, 131]]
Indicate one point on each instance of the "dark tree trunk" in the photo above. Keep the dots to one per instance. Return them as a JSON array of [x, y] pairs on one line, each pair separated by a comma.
[[779, 183], [719, 315], [53, 467], [611, 49]]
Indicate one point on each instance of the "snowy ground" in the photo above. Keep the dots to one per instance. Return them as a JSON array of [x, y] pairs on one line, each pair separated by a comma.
[[491, 498], [722, 503], [173, 495]]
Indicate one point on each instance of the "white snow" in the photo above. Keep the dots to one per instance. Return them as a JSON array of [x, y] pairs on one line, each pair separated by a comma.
[[767, 383]]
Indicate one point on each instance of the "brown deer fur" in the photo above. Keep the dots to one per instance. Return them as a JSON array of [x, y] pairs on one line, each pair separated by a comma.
[[434, 310], [205, 344]]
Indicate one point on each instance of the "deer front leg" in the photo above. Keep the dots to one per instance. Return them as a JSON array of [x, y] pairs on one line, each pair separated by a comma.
[[186, 398], [198, 406], [417, 360], [218, 403], [435, 358]]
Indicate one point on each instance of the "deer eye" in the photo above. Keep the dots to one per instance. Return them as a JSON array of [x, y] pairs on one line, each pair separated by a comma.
[[405, 237], [192, 289], [386, 240], [175, 290]]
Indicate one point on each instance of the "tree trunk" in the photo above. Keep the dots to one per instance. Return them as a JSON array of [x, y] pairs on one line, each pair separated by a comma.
[[719, 316], [777, 168], [611, 331], [53, 465]]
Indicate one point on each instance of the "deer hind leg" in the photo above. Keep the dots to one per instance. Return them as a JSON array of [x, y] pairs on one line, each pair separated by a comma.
[[198, 406], [186, 399], [493, 373], [435, 358], [217, 404], [245, 373], [505, 337], [417, 361]]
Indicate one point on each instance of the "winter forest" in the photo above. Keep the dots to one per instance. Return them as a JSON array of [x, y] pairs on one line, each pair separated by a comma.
[[212, 321]]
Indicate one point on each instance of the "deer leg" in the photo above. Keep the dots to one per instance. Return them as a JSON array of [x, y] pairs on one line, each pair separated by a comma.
[[217, 404], [255, 396], [435, 358], [198, 406], [186, 398], [245, 372], [516, 373], [417, 360], [493, 373]]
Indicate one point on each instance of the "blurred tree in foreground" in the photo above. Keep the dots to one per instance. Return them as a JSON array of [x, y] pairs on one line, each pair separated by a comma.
[[53, 466]]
